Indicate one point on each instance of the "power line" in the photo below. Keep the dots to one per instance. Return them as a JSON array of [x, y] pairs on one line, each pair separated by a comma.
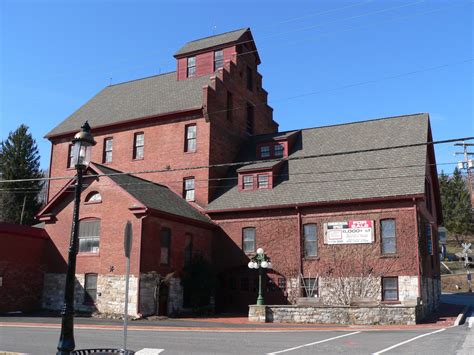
[[236, 177], [290, 158]]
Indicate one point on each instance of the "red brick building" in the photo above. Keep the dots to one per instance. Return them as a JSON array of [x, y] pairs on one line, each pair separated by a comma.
[[351, 209]]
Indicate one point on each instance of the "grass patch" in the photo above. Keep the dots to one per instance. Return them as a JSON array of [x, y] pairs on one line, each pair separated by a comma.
[[449, 283]]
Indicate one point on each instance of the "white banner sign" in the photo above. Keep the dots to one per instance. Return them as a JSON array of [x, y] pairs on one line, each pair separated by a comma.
[[350, 232]]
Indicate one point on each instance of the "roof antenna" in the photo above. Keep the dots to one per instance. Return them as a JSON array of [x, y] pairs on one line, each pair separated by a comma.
[[110, 81], [214, 28]]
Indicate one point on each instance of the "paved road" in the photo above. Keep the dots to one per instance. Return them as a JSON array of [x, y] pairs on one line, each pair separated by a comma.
[[43, 340]]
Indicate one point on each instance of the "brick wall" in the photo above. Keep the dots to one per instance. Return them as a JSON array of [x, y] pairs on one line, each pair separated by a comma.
[[278, 232], [164, 147]]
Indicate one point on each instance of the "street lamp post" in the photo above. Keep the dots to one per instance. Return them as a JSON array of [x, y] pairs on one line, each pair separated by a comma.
[[260, 261], [82, 146]]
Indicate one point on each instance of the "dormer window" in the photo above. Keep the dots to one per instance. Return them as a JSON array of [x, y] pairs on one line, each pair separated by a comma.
[[248, 182], [265, 151], [278, 150], [218, 59], [262, 182], [191, 67]]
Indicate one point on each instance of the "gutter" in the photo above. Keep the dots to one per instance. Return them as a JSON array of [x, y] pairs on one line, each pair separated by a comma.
[[323, 203], [126, 122]]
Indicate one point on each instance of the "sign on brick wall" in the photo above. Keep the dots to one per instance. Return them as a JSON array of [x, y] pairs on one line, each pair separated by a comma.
[[350, 232]]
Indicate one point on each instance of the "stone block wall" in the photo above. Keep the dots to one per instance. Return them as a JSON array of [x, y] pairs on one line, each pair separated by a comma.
[[383, 314], [110, 294]]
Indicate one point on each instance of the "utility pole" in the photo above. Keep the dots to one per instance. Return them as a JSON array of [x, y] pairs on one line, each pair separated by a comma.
[[467, 164]]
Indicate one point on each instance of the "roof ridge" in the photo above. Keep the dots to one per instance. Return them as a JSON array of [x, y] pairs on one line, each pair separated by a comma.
[[223, 33], [100, 166], [146, 77], [364, 121]]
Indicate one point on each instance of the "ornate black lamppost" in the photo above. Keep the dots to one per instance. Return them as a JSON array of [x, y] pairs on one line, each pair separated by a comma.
[[81, 153], [260, 261]]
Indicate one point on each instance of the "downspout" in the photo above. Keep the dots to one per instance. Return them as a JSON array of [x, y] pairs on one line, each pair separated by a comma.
[[139, 265], [415, 215], [300, 258]]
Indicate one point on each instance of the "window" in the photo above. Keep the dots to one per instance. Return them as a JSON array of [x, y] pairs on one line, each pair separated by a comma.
[[70, 157], [428, 195], [429, 242], [138, 145], [108, 144], [249, 120], [278, 150], [230, 105], [190, 144], [262, 181], [264, 151], [218, 59], [309, 287], [89, 236], [388, 236], [248, 182], [188, 249], [282, 283], [248, 240], [90, 283], [191, 71], [249, 79], [389, 288], [310, 240], [188, 186], [93, 197], [165, 246]]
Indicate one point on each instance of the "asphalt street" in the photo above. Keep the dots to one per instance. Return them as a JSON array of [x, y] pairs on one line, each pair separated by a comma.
[[43, 340]]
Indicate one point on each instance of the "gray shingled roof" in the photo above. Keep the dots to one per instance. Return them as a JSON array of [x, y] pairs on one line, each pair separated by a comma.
[[135, 99], [212, 41], [155, 196], [337, 178], [260, 165]]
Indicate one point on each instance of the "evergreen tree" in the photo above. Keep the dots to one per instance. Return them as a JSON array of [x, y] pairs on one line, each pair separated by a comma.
[[456, 202], [19, 159]]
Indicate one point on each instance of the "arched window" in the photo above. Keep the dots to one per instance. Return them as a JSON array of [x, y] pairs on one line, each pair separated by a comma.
[[93, 197]]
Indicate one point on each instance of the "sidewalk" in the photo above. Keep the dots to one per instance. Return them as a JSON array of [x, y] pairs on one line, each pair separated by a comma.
[[445, 317]]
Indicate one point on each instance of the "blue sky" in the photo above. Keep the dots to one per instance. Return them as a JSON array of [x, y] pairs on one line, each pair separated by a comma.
[[323, 62]]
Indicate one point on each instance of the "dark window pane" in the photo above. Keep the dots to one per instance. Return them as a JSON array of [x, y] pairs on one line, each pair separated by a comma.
[[390, 288], [90, 286], [265, 151], [249, 120], [388, 237], [165, 246], [310, 240], [278, 150], [262, 181], [310, 287], [89, 236], [248, 182], [248, 240]]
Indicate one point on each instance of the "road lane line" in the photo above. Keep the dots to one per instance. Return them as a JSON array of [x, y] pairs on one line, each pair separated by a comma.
[[408, 341], [316, 342]]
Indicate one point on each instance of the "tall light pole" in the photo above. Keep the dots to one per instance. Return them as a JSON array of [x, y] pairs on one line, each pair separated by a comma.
[[82, 146], [260, 261]]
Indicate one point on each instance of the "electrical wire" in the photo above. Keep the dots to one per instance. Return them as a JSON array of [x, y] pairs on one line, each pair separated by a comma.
[[289, 158]]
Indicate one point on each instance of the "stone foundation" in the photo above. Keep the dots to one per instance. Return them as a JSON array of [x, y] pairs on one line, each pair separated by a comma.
[[110, 294], [382, 314]]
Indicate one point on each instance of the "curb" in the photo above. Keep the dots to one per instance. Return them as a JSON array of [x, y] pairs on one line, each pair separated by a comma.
[[461, 316]]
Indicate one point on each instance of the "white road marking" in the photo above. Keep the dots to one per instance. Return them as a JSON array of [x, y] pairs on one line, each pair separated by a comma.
[[408, 341], [316, 342], [470, 321], [148, 351]]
